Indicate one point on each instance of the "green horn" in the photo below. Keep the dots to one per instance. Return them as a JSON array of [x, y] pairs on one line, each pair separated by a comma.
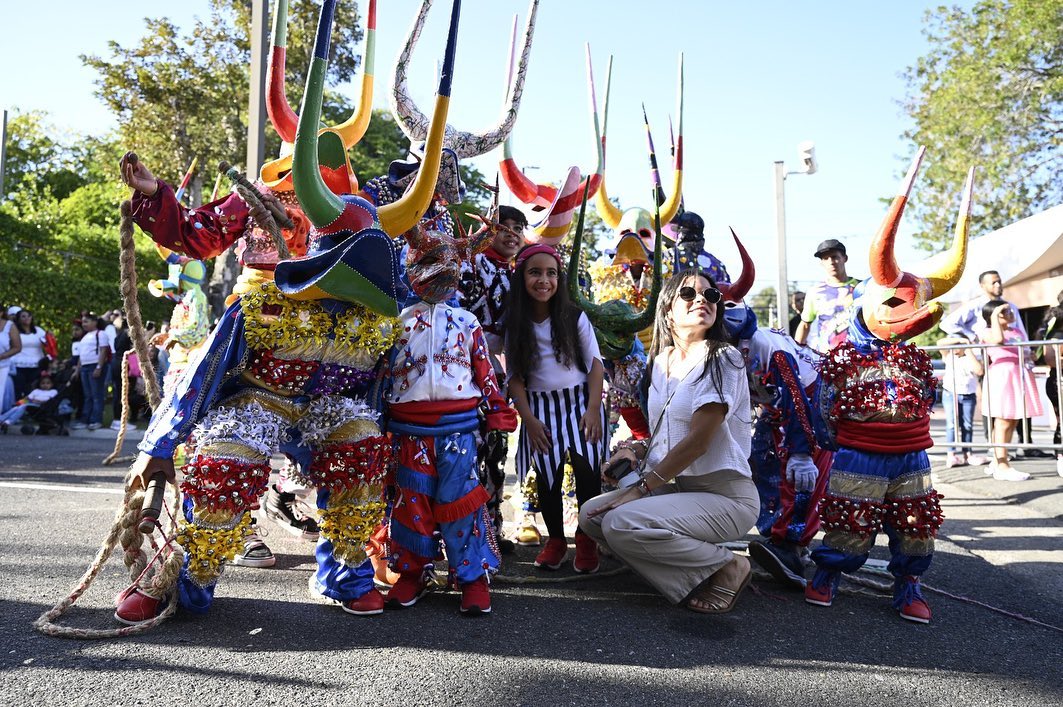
[[574, 291], [648, 314]]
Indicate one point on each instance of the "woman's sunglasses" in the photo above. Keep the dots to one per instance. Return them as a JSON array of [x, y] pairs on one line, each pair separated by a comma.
[[711, 294]]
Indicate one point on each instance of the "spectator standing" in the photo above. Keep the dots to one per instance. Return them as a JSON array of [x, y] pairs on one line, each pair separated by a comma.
[[10, 346], [825, 316], [1052, 328], [797, 304], [1010, 388], [959, 396], [94, 355], [31, 360], [121, 343]]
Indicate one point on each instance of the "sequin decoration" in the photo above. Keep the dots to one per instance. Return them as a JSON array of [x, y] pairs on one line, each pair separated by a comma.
[[209, 548]]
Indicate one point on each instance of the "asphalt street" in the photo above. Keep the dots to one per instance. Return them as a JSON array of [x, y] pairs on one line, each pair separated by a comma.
[[551, 640]]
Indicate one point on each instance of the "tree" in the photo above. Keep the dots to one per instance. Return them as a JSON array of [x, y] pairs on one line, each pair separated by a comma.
[[764, 306], [989, 93], [179, 96]]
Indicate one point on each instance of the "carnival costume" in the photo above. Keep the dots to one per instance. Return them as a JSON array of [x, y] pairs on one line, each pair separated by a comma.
[[790, 453], [190, 320], [877, 391], [288, 367], [440, 380]]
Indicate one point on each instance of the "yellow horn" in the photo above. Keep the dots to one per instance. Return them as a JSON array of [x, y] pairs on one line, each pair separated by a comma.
[[671, 207], [607, 210], [163, 251], [353, 129], [945, 277]]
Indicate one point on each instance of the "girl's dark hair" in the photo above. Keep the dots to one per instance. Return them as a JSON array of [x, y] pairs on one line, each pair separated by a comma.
[[716, 336], [987, 310], [522, 352]]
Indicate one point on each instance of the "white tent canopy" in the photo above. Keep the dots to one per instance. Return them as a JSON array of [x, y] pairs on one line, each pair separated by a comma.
[[1028, 254]]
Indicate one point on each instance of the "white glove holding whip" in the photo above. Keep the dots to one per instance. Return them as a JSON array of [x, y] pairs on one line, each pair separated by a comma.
[[802, 473]]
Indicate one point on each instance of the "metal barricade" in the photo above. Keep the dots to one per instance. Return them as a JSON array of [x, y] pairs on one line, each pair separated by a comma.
[[1025, 351]]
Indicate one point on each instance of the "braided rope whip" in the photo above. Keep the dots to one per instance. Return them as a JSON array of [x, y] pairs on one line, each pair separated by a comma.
[[114, 457], [265, 209], [160, 580]]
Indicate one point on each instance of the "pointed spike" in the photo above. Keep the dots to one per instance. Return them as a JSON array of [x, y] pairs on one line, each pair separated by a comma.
[[905, 189]]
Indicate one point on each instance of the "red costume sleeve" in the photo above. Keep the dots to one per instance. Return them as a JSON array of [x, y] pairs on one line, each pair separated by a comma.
[[201, 233], [500, 416]]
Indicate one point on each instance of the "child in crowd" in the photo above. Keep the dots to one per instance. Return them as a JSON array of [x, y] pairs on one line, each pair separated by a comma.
[[44, 392], [555, 378], [959, 394]]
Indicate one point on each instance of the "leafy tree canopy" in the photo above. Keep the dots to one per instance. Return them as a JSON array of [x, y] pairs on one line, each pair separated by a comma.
[[989, 93]]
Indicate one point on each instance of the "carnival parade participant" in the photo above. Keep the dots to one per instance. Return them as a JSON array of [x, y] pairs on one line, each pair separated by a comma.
[[289, 363], [484, 292], [555, 378], [696, 492], [790, 458], [690, 248], [440, 376], [877, 391]]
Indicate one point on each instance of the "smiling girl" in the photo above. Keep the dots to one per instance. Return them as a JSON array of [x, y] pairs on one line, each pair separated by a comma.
[[555, 378]]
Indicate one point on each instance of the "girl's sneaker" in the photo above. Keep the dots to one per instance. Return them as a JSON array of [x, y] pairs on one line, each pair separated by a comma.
[[953, 460], [586, 559], [553, 554], [1008, 473]]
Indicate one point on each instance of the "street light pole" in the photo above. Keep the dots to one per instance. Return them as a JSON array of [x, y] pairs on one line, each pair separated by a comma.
[[256, 109], [781, 284]]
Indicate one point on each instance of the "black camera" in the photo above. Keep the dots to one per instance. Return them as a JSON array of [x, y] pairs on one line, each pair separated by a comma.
[[618, 469]]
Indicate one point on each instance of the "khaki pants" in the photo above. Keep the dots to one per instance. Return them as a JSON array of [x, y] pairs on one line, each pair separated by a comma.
[[671, 537]]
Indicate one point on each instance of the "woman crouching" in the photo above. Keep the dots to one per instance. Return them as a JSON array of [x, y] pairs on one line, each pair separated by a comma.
[[696, 490]]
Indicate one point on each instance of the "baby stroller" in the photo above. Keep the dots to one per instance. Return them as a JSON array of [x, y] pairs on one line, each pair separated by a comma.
[[54, 416]]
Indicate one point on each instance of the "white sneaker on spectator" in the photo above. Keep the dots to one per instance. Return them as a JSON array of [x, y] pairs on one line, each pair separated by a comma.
[[78, 425], [1059, 464], [94, 426], [977, 459], [1007, 473], [116, 425]]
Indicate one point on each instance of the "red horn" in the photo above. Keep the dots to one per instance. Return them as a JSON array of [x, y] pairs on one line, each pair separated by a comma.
[[882, 259], [737, 290]]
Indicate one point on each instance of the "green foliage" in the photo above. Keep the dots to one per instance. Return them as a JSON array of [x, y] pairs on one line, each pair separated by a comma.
[[988, 94], [764, 305], [179, 95]]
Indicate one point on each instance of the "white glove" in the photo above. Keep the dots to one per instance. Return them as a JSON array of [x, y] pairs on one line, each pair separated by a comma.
[[802, 473]]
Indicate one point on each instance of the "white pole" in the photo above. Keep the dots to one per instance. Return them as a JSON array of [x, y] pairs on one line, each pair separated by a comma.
[[781, 285]]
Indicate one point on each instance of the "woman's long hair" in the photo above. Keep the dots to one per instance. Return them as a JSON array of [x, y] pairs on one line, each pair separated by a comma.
[[522, 351], [32, 328], [716, 335]]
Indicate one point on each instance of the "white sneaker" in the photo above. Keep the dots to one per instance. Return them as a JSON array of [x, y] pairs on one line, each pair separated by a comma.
[[1059, 464], [78, 425], [93, 426], [1007, 473], [116, 425]]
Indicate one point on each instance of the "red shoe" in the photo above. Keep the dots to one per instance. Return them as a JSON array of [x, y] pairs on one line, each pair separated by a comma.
[[820, 591], [372, 602], [553, 554], [586, 559], [407, 590], [136, 607], [908, 599], [475, 597]]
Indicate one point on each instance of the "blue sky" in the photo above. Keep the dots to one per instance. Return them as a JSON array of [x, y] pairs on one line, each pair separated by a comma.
[[760, 78]]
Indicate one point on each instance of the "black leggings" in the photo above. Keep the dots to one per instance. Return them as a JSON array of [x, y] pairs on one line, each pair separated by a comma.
[[588, 485]]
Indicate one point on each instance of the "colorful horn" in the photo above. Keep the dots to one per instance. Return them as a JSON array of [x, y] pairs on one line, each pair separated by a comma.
[[737, 290], [543, 195], [671, 207], [281, 115], [882, 259], [465, 144], [607, 210], [186, 179], [321, 206], [574, 291], [353, 129], [646, 317], [558, 220], [398, 217], [945, 278], [655, 173]]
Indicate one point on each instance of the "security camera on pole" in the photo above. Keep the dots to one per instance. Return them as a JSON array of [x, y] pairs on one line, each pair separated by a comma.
[[807, 154]]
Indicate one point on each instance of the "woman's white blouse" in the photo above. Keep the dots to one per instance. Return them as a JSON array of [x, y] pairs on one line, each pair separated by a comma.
[[729, 448]]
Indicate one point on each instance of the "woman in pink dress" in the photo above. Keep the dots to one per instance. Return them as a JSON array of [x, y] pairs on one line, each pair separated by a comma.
[[1007, 382]]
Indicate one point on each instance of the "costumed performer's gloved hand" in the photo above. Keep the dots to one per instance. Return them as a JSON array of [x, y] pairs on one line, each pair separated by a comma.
[[802, 473]]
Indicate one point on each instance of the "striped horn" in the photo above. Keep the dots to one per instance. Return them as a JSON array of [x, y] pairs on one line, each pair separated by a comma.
[[281, 115], [179, 194], [881, 257], [608, 211], [553, 228], [415, 125], [353, 129]]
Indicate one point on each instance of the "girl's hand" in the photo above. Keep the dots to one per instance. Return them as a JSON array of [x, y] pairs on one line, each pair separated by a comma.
[[591, 424], [632, 494], [538, 435], [624, 453]]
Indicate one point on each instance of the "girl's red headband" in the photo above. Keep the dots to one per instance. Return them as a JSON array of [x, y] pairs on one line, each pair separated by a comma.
[[536, 250]]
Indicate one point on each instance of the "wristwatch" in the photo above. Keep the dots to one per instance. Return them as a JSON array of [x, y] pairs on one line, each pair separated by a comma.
[[643, 487]]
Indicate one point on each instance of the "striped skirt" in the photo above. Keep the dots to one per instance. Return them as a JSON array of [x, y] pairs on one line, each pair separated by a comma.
[[560, 411]]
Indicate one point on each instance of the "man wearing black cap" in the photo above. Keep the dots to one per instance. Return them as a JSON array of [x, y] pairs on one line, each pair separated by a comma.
[[825, 318]]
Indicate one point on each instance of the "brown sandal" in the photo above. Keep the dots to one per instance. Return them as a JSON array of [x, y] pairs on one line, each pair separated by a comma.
[[717, 599]]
